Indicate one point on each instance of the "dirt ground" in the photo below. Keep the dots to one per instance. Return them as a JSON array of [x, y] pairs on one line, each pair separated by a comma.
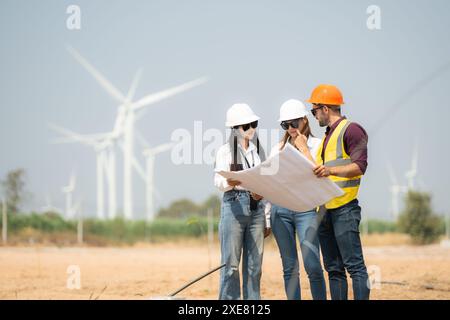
[[149, 271]]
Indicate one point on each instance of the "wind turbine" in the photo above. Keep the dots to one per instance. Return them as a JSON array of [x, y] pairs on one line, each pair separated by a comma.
[[150, 154], [102, 144], [49, 207], [395, 190], [68, 190], [78, 214], [105, 163], [127, 110], [105, 153], [412, 173]]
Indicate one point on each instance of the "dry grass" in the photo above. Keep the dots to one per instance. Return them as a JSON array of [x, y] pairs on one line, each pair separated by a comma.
[[30, 236], [385, 239], [143, 271]]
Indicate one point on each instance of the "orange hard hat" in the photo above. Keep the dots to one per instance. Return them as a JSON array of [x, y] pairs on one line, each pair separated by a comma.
[[326, 94]]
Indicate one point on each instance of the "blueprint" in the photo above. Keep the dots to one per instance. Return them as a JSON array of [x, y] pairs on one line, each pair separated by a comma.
[[287, 179]]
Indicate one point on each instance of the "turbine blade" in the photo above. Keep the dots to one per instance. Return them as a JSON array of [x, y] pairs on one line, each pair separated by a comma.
[[61, 130], [68, 134], [139, 114], [158, 96], [73, 181], [163, 147], [135, 164], [134, 85], [142, 139], [159, 149], [138, 168], [108, 86], [119, 122], [92, 139], [414, 159]]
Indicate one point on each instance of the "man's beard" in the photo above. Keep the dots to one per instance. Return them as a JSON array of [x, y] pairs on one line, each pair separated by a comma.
[[322, 123]]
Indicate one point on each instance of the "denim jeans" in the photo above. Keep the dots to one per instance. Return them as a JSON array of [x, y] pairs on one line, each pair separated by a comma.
[[241, 232], [342, 250], [285, 224]]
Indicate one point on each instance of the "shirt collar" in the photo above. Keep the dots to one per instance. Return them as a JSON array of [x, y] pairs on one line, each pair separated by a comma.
[[331, 129], [250, 148]]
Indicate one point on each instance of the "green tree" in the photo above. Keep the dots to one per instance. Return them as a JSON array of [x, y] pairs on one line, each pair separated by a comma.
[[14, 189], [418, 219], [180, 209], [213, 202]]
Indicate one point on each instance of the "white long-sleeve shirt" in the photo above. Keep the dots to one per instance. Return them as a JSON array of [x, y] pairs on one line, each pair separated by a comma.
[[223, 161]]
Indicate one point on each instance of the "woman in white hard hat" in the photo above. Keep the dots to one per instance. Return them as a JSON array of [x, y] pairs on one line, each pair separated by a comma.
[[242, 220], [286, 223]]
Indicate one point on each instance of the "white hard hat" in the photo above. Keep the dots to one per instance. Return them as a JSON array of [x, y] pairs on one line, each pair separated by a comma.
[[292, 109], [240, 113]]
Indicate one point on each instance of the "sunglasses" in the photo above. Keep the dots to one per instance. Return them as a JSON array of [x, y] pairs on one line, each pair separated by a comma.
[[319, 106], [247, 126], [293, 123]]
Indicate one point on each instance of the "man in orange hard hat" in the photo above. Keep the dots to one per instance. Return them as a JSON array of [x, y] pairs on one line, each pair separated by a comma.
[[342, 157]]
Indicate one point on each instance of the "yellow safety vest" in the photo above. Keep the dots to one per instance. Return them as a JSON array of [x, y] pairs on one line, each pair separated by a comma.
[[335, 156]]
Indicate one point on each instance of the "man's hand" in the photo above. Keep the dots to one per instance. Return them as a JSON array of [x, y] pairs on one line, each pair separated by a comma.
[[322, 171], [267, 232], [233, 183], [256, 196]]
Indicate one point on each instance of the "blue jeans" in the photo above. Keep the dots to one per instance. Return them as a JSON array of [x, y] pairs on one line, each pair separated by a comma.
[[241, 231], [285, 224], [342, 250]]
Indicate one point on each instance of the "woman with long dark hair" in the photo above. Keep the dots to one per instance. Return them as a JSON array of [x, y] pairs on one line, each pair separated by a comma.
[[242, 220]]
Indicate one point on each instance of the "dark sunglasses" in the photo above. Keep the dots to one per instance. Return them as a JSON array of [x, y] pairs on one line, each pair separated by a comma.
[[319, 106], [293, 123], [247, 126]]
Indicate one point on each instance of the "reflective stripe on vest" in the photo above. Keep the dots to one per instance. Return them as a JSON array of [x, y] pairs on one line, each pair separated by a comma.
[[338, 162], [348, 183]]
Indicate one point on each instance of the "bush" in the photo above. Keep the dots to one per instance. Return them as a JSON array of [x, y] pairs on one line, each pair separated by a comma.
[[120, 230], [418, 220], [47, 222], [379, 226], [185, 208], [103, 231]]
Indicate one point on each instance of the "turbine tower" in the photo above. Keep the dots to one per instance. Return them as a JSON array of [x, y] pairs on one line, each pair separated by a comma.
[[105, 164], [150, 154], [395, 190], [128, 110], [68, 191], [103, 145], [49, 207], [412, 172]]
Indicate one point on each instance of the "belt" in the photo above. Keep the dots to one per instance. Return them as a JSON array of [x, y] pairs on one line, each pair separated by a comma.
[[236, 191]]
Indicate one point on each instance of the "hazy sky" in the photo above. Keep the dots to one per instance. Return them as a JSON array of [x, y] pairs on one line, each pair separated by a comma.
[[258, 52]]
